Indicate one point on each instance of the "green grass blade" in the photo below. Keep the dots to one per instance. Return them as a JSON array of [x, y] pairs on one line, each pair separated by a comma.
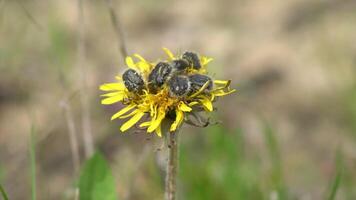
[[338, 176], [3, 193], [33, 162], [274, 153]]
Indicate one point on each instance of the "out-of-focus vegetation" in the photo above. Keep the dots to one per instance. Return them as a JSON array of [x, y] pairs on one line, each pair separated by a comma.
[[289, 132], [96, 180]]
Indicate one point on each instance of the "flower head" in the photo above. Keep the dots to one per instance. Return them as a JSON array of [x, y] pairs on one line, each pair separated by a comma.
[[169, 89]]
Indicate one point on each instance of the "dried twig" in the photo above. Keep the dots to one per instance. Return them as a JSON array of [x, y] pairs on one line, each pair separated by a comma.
[[118, 29], [86, 128]]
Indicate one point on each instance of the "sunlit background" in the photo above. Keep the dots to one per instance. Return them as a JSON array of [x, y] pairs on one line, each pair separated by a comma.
[[286, 134]]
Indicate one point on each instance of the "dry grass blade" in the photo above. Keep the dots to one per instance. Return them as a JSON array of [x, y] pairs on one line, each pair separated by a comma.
[[118, 29], [30, 16], [86, 127]]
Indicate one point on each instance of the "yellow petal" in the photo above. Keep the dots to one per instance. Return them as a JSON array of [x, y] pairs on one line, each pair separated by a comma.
[[154, 111], [140, 57], [205, 60], [132, 121], [143, 66], [159, 131], [212, 97], [111, 94], [178, 121], [156, 122], [113, 99], [169, 53], [130, 63], [130, 114], [145, 124], [220, 93], [112, 86], [183, 107], [123, 111], [200, 90], [202, 70], [193, 103], [222, 82], [206, 103]]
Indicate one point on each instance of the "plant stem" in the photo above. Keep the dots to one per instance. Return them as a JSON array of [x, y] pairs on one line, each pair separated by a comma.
[[172, 166], [74, 146]]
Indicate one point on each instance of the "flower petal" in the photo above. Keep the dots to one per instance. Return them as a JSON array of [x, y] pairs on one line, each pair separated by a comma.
[[206, 103], [200, 90], [111, 94], [112, 86], [140, 57], [220, 93], [178, 121], [130, 63], [205, 60], [169, 53], [143, 66], [123, 111], [156, 122], [184, 107], [193, 103], [223, 82], [159, 131], [145, 124], [130, 114], [113, 99], [132, 121]]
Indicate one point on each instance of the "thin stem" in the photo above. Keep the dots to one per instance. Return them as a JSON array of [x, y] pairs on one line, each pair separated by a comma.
[[87, 135], [117, 28], [72, 136], [73, 143], [172, 166]]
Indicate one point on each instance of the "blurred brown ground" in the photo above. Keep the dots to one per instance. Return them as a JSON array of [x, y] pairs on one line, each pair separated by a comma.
[[293, 63]]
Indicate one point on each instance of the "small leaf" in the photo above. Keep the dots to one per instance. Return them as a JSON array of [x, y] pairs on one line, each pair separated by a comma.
[[96, 180]]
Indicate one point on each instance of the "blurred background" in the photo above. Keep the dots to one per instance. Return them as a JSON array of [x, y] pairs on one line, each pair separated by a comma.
[[285, 135]]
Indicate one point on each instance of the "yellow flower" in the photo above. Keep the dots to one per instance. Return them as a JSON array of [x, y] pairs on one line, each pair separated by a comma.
[[160, 105]]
